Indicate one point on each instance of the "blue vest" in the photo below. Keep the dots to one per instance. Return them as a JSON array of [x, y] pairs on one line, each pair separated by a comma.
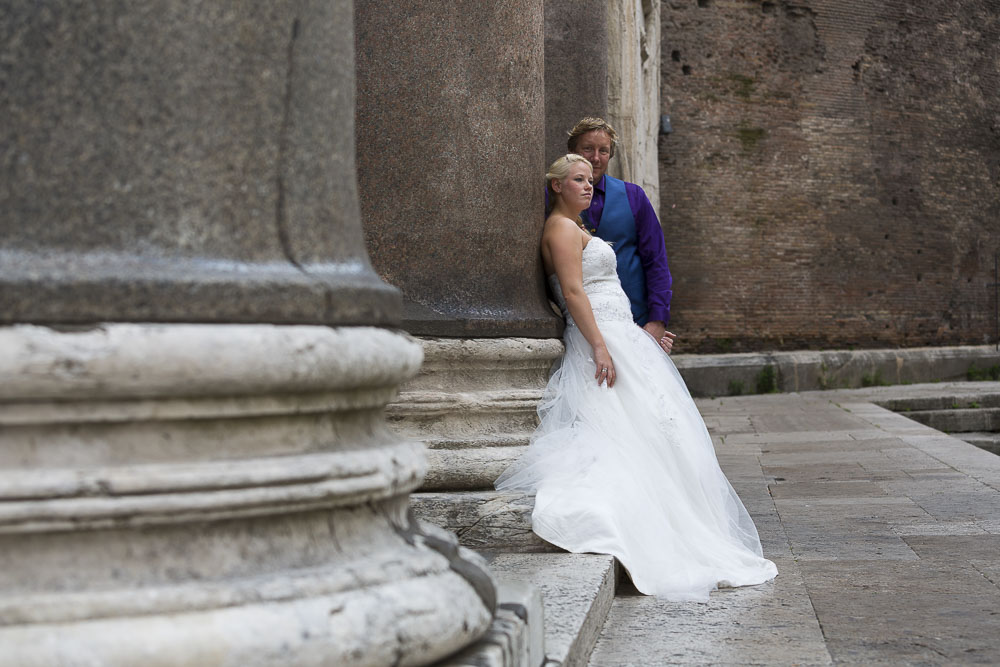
[[617, 225]]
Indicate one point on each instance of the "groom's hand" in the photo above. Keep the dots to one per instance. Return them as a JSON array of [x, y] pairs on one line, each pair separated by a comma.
[[659, 332], [655, 329], [667, 342]]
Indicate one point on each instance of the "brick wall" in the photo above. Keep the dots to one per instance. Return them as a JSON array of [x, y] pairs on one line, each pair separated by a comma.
[[833, 179]]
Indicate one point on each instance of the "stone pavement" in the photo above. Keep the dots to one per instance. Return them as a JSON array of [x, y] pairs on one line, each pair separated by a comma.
[[886, 534]]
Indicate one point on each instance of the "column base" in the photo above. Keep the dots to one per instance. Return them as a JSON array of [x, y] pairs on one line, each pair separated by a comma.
[[219, 495], [474, 403]]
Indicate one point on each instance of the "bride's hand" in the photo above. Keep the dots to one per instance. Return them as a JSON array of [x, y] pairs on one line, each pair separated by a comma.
[[605, 367]]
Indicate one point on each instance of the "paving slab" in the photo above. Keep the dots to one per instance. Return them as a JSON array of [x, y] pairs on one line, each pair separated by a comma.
[[924, 610], [885, 531], [768, 624]]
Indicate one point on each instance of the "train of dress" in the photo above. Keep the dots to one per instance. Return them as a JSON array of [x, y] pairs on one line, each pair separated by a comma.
[[631, 471]]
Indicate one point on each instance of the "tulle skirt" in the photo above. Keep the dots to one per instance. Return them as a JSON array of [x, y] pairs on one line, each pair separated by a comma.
[[631, 472]]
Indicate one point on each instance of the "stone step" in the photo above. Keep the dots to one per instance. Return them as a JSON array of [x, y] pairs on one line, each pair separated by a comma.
[[728, 374], [577, 592], [516, 637], [483, 520], [988, 441], [468, 469], [958, 420], [577, 589], [946, 400]]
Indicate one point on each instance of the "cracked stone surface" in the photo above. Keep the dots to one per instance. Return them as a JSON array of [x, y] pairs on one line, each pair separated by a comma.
[[886, 534]]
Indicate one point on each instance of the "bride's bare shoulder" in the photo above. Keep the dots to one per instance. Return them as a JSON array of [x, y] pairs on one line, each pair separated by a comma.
[[562, 228]]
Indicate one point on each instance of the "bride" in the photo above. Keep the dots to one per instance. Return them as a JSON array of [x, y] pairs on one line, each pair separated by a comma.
[[621, 462]]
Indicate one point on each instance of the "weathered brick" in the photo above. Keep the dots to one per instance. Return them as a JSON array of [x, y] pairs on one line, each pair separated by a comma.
[[833, 178]]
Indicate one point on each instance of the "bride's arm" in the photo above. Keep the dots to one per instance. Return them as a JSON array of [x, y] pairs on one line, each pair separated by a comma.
[[564, 247]]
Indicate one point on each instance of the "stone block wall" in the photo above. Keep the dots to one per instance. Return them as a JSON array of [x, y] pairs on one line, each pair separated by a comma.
[[833, 178]]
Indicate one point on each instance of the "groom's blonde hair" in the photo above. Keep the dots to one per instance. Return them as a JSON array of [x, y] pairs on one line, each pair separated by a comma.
[[589, 124]]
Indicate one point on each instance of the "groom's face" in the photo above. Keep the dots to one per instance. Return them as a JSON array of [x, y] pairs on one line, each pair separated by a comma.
[[596, 147]]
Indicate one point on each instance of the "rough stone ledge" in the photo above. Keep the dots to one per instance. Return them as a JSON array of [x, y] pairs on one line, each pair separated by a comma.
[[435, 402], [487, 520], [464, 415], [946, 398], [958, 420], [987, 441], [479, 441], [718, 374]]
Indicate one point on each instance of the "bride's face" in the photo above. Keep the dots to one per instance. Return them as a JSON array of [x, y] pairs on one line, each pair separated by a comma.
[[578, 186]]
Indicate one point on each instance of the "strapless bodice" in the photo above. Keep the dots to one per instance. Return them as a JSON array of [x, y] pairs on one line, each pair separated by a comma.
[[601, 285]]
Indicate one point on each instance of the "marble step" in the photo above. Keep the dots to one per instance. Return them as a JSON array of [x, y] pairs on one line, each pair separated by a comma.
[[576, 590], [483, 520]]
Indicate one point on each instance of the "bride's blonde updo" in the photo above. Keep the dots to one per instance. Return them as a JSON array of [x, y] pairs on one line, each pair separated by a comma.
[[558, 171]]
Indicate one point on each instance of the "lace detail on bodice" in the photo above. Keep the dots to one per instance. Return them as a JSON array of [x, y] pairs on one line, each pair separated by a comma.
[[600, 283]]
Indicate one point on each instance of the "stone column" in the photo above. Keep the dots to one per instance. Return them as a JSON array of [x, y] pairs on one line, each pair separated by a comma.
[[634, 92], [194, 465], [450, 127], [576, 68], [451, 164], [603, 59]]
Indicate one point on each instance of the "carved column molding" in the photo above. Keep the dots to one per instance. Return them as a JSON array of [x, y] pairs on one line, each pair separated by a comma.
[[217, 494], [474, 404]]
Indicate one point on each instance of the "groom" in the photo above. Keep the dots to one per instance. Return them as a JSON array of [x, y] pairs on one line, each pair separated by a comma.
[[621, 213]]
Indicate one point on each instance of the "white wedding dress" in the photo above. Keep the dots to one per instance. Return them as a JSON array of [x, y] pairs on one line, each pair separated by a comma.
[[631, 471]]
